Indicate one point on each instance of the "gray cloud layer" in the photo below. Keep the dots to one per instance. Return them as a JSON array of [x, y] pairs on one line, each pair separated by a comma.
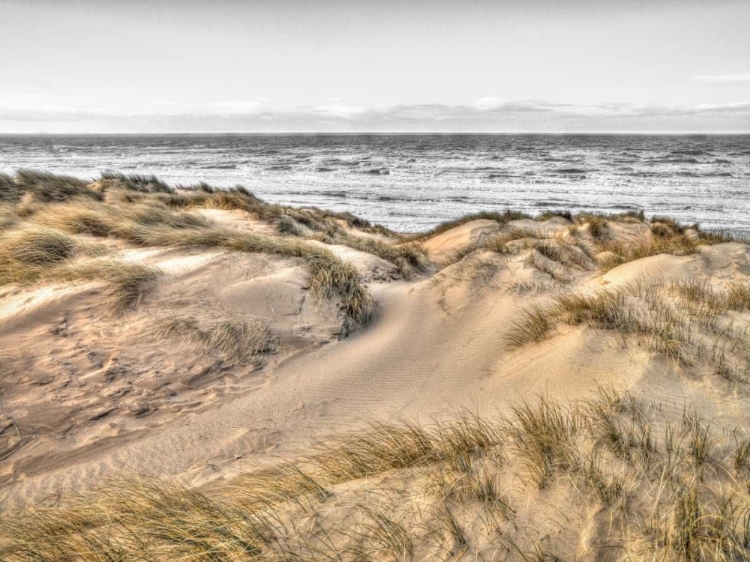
[[486, 115]]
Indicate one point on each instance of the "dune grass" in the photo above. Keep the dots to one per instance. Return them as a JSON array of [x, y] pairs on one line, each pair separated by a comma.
[[157, 225], [409, 258], [127, 284], [41, 247], [697, 328], [331, 228], [239, 339], [501, 217], [654, 488], [678, 245], [158, 219], [9, 191], [27, 254], [137, 182], [590, 243], [48, 188], [40, 254]]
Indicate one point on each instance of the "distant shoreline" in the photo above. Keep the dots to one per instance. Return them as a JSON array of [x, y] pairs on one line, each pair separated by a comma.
[[383, 134]]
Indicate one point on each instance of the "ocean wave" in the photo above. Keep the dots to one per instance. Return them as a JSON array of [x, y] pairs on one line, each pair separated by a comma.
[[687, 152], [674, 161], [340, 162], [570, 171], [546, 204]]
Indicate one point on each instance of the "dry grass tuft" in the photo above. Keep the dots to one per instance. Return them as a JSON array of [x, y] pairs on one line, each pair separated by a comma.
[[675, 245], [598, 227], [501, 217], [28, 254], [9, 190], [711, 237], [696, 328], [41, 247], [674, 500], [136, 182], [543, 437], [127, 284], [50, 188], [35, 254], [237, 339], [408, 258], [386, 447]]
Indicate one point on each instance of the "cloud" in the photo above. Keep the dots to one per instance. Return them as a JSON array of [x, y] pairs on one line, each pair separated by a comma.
[[702, 109], [723, 78], [338, 115], [343, 110], [487, 103], [235, 106]]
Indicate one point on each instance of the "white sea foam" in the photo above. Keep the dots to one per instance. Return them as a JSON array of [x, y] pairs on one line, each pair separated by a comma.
[[411, 182]]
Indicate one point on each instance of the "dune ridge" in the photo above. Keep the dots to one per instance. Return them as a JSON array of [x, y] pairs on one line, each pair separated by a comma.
[[277, 383]]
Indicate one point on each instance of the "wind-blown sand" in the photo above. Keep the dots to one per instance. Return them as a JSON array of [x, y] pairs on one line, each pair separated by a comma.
[[89, 395]]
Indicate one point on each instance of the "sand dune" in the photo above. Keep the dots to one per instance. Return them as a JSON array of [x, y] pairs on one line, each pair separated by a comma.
[[164, 389]]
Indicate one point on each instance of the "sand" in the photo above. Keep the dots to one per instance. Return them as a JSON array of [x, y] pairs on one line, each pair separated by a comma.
[[88, 395]]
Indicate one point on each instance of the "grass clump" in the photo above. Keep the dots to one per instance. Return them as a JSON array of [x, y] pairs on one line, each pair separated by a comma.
[[236, 339], [386, 447], [598, 228], [551, 214], [656, 325], [694, 330], [543, 436], [136, 182], [127, 283], [621, 253], [666, 227], [41, 247], [408, 258], [28, 254], [501, 217], [40, 254], [52, 188], [9, 191], [711, 237]]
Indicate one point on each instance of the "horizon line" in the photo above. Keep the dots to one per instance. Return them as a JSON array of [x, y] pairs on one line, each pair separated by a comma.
[[385, 133]]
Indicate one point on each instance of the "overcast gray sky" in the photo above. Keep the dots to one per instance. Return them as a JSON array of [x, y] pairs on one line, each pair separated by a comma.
[[422, 65]]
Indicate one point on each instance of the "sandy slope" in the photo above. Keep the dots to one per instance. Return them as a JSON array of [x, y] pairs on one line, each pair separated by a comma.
[[96, 396]]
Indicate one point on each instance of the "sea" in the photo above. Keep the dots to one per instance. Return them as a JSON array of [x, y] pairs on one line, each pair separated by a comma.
[[410, 182]]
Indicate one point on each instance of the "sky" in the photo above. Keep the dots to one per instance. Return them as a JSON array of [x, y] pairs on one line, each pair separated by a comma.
[[158, 66]]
